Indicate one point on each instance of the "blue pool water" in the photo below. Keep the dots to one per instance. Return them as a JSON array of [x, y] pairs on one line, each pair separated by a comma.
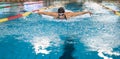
[[82, 37]]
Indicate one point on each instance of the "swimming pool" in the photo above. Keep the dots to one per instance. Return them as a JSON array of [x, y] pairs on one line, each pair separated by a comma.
[[82, 37]]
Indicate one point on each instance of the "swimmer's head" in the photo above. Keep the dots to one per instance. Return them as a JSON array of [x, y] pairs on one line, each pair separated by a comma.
[[61, 10]]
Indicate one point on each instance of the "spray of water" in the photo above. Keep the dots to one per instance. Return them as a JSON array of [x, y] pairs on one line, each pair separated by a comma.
[[103, 44], [106, 40]]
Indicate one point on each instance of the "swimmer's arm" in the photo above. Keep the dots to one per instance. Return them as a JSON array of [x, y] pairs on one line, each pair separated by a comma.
[[79, 13], [48, 13]]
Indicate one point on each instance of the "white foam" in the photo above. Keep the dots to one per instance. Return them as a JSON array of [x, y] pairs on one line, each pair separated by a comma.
[[99, 13], [111, 5], [94, 7], [43, 51], [106, 18], [42, 43], [103, 44], [102, 55]]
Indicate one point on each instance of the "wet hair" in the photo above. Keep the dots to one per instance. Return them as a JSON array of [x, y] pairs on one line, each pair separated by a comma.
[[61, 10]]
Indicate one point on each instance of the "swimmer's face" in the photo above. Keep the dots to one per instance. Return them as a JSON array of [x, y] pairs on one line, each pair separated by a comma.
[[61, 10], [61, 17]]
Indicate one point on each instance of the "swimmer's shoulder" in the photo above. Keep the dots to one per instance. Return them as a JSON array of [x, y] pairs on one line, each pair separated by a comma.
[[68, 12]]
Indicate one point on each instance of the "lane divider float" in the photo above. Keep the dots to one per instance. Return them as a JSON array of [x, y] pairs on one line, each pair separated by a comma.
[[15, 17], [22, 15], [114, 11]]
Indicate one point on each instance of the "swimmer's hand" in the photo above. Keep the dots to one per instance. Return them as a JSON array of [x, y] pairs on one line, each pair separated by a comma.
[[90, 13], [114, 12]]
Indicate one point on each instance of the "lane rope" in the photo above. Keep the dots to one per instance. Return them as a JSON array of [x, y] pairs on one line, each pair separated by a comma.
[[114, 11], [22, 15], [15, 17]]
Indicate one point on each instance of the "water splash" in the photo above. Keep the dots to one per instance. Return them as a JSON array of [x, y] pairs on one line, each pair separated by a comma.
[[94, 7], [100, 14], [42, 43], [103, 44], [111, 5], [105, 40]]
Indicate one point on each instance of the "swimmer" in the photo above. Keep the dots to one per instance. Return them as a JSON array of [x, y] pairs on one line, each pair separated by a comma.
[[61, 14]]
